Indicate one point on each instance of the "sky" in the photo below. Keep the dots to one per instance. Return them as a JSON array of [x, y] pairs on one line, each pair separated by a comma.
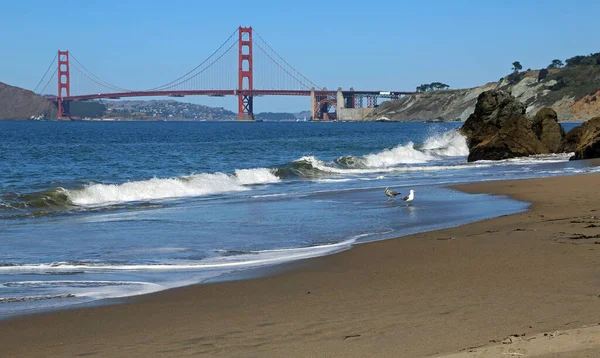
[[382, 45]]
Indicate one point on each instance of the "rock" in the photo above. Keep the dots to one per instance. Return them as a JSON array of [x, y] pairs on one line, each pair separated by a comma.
[[498, 129], [514, 139], [589, 144], [546, 127], [491, 109], [571, 139]]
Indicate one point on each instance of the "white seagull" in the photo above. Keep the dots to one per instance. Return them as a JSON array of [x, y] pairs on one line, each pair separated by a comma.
[[410, 197], [390, 194]]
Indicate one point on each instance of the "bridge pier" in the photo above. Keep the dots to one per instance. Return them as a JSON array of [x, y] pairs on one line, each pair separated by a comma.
[[339, 102], [245, 75], [64, 108], [313, 103], [64, 84], [247, 107]]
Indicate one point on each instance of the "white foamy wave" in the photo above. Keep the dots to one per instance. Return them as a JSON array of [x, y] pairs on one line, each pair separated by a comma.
[[155, 188], [532, 159], [256, 176], [328, 168], [449, 144], [402, 154], [333, 180]]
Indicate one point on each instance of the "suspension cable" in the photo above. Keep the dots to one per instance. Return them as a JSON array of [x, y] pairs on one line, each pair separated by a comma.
[[200, 65], [101, 82], [44, 76], [200, 72], [278, 55], [47, 83], [104, 83], [286, 71]]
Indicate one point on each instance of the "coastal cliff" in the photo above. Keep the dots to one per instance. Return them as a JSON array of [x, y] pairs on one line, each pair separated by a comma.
[[572, 91], [448, 105], [19, 103]]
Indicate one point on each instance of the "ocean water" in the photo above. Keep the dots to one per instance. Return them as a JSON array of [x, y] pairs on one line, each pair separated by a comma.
[[92, 210]]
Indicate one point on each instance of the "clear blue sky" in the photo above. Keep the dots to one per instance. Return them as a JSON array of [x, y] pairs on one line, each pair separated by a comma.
[[379, 45]]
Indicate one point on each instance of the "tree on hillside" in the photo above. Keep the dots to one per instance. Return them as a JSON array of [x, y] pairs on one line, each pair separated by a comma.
[[517, 66], [591, 59], [556, 64], [432, 87], [438, 85], [574, 61]]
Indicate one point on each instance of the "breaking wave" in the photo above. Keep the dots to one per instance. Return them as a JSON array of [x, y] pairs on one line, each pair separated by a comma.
[[193, 185], [152, 189], [401, 158], [398, 159], [449, 144]]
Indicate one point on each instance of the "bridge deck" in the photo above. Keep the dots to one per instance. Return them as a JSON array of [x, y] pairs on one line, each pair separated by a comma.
[[220, 93]]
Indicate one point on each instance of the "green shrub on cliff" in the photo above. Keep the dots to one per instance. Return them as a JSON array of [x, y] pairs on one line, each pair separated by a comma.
[[591, 59]]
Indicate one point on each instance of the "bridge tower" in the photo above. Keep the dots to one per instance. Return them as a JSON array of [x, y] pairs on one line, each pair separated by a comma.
[[245, 85], [64, 83]]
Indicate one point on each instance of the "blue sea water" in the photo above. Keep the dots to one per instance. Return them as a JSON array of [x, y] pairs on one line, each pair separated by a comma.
[[92, 210]]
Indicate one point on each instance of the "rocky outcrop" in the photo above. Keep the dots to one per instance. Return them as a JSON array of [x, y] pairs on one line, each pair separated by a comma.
[[454, 105], [19, 103], [514, 139], [589, 144], [571, 139], [498, 129], [572, 91], [546, 127], [491, 110]]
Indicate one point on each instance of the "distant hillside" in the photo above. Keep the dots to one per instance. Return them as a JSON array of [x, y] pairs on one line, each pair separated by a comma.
[[275, 116], [302, 115], [19, 103], [165, 109], [573, 91]]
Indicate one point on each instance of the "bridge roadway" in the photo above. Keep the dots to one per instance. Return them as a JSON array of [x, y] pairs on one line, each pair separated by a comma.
[[221, 93]]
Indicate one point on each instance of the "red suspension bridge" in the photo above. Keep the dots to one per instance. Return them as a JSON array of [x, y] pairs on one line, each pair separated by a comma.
[[244, 66]]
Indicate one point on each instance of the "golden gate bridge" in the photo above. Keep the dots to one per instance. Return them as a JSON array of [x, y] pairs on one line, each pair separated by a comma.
[[244, 66]]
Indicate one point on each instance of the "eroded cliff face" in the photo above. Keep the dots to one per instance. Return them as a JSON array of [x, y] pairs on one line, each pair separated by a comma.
[[573, 92], [19, 103], [439, 105]]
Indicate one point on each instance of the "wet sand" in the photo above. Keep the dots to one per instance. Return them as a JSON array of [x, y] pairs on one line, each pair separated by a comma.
[[460, 291]]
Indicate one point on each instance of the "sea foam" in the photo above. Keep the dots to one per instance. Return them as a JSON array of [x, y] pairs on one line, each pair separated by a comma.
[[399, 158], [168, 188]]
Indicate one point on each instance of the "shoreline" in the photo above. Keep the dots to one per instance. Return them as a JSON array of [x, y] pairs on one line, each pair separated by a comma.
[[424, 294]]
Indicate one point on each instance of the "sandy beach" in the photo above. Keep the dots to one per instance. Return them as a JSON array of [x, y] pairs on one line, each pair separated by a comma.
[[510, 286]]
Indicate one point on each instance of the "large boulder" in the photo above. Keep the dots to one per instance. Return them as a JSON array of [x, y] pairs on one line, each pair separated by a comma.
[[546, 127], [514, 139], [491, 110], [589, 143], [498, 129], [571, 139]]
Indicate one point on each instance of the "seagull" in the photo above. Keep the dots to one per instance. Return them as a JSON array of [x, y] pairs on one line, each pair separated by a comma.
[[390, 194], [410, 197]]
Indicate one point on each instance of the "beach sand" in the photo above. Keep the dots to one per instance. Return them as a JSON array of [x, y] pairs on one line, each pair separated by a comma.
[[530, 280]]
